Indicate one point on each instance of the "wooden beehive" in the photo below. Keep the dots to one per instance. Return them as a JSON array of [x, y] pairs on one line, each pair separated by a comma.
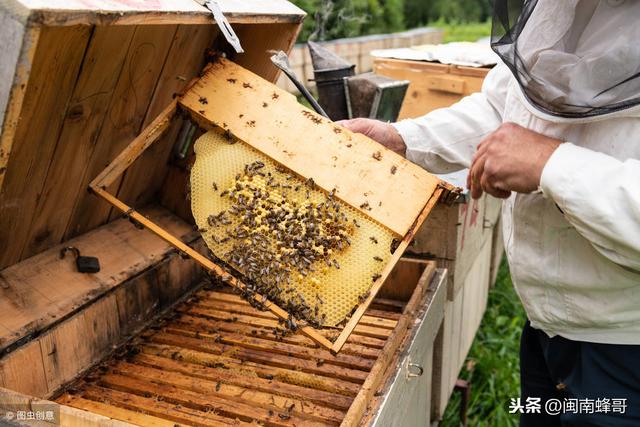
[[465, 237], [83, 79], [433, 85]]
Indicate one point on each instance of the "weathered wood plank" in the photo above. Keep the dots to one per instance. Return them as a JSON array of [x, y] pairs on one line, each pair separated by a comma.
[[67, 350], [75, 12], [247, 394], [123, 122], [68, 416], [23, 371], [144, 178], [276, 347], [110, 411], [33, 140], [197, 324], [41, 290], [242, 379], [204, 400], [262, 357], [285, 374], [85, 116], [158, 408]]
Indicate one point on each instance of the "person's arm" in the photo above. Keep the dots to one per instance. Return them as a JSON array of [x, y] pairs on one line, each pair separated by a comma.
[[600, 196], [445, 140]]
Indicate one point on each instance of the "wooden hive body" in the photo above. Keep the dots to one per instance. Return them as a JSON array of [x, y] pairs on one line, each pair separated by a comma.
[[82, 80]]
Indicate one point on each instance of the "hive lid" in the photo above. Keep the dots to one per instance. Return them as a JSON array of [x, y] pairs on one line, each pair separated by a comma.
[[74, 12]]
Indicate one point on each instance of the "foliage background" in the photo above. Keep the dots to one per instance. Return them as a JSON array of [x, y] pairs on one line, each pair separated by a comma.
[[332, 19]]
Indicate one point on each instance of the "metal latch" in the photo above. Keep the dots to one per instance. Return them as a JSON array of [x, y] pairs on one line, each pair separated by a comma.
[[222, 22], [84, 264]]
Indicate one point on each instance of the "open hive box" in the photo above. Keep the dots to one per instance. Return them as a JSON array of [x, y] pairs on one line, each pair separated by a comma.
[[88, 80]]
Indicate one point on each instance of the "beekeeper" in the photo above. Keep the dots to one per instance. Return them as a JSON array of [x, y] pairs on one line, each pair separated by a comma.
[[555, 132]]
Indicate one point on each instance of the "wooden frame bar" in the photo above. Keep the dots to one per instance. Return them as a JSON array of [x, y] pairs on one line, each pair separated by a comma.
[[125, 159], [357, 315], [153, 132]]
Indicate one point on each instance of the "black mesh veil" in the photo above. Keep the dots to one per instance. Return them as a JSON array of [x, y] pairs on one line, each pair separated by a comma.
[[553, 86]]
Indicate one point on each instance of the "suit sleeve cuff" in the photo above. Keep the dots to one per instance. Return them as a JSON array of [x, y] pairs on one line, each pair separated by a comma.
[[413, 137], [564, 170]]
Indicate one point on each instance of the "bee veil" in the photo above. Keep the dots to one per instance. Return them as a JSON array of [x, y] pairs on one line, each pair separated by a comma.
[[572, 58]]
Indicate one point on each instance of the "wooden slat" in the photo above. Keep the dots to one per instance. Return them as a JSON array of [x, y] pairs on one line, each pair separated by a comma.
[[123, 122], [197, 324], [18, 88], [231, 392], [262, 356], [226, 376], [158, 408], [110, 411], [85, 116], [342, 160], [383, 314], [369, 331], [257, 343], [291, 376], [236, 304], [55, 67], [359, 312], [201, 401], [126, 157], [388, 305], [237, 401], [67, 416]]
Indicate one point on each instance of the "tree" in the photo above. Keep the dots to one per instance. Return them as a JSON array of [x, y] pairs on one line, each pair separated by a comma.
[[348, 18]]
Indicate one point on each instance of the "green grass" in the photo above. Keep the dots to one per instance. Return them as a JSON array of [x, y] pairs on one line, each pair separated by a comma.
[[463, 32], [492, 366]]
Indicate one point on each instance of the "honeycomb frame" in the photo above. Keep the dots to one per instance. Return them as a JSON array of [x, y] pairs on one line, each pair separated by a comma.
[[150, 135]]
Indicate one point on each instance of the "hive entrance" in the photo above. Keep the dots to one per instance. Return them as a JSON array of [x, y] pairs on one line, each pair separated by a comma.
[[302, 248]]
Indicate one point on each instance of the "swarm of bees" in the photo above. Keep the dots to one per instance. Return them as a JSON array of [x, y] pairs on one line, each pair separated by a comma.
[[277, 242]]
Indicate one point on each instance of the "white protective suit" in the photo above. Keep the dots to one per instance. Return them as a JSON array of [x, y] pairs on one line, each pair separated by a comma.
[[573, 246]]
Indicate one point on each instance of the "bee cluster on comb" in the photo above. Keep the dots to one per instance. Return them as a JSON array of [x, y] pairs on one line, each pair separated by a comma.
[[289, 241], [277, 242]]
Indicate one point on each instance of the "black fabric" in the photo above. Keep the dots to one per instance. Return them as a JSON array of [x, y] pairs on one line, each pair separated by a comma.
[[509, 19], [584, 370]]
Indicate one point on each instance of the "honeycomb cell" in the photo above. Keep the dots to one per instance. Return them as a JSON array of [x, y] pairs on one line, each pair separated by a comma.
[[219, 160]]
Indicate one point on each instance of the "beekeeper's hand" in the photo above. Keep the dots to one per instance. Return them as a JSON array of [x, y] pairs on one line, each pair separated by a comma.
[[381, 132], [510, 159]]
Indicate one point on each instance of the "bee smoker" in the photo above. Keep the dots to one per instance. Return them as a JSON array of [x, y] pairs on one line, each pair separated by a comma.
[[329, 71]]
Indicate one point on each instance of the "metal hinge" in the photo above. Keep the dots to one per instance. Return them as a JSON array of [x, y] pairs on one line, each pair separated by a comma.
[[222, 22]]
